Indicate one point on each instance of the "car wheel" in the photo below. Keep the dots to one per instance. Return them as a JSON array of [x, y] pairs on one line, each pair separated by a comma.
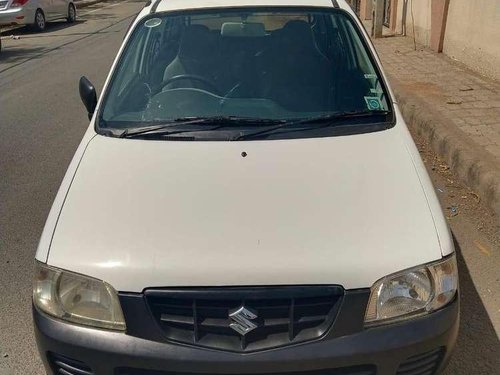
[[40, 23], [71, 13]]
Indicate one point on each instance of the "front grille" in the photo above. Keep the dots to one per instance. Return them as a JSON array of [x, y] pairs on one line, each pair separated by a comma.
[[284, 316], [359, 370], [422, 364], [66, 366]]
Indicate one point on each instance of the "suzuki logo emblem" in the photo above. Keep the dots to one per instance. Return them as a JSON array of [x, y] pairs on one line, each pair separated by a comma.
[[241, 320]]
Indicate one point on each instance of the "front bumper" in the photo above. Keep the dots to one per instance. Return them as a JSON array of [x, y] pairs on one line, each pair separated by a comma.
[[390, 349], [17, 16]]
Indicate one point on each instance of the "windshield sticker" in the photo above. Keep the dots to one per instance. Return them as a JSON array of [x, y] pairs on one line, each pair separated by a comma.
[[153, 22], [373, 103], [370, 76]]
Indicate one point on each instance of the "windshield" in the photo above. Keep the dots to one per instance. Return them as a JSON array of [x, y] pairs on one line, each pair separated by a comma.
[[261, 64]]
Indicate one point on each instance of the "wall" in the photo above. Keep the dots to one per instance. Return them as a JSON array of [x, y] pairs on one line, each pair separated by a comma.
[[366, 8], [472, 34], [422, 16]]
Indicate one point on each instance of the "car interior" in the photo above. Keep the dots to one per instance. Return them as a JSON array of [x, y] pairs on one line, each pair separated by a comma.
[[273, 64]]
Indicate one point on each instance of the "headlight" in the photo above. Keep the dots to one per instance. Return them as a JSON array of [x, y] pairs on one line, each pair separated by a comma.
[[76, 298], [413, 292]]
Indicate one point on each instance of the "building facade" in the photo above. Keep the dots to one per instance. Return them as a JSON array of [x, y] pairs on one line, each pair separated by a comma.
[[465, 30]]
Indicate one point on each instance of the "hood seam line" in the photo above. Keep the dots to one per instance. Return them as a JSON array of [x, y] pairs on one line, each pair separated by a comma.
[[426, 198], [65, 196]]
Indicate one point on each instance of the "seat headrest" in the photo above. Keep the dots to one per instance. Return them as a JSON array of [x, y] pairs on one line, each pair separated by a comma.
[[296, 35], [196, 42]]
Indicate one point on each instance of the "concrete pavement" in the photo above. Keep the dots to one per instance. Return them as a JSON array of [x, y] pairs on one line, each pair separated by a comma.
[[457, 110], [478, 248], [41, 123]]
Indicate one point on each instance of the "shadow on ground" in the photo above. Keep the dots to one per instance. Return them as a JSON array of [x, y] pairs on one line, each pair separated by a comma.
[[11, 56], [478, 347], [27, 31], [15, 51], [97, 16]]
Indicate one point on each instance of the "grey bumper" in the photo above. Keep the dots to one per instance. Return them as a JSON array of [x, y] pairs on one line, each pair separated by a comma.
[[381, 350], [17, 16]]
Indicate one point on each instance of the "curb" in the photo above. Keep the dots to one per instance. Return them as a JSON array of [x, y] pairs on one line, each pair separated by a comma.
[[473, 166]]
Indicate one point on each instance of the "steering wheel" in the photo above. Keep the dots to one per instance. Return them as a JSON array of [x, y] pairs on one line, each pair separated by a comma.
[[192, 77]]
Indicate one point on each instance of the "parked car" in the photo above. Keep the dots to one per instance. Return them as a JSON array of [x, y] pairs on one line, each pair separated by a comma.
[[36, 13], [246, 200]]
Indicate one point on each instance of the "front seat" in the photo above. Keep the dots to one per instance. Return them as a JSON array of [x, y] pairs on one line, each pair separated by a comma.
[[195, 57], [295, 74]]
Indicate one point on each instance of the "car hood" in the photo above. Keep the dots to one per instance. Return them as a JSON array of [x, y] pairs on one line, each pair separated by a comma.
[[340, 210]]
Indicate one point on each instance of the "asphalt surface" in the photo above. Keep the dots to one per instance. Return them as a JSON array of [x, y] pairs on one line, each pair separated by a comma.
[[41, 123]]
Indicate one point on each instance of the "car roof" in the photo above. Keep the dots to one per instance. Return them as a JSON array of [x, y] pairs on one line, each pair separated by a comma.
[[172, 5]]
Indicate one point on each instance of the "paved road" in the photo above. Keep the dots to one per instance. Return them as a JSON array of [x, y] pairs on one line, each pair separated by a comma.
[[41, 124]]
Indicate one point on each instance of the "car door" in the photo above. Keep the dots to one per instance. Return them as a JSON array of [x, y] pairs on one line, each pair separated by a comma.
[[61, 7], [47, 7]]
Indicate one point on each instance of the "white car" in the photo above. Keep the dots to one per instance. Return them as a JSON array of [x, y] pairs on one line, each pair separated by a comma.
[[247, 200], [35, 13]]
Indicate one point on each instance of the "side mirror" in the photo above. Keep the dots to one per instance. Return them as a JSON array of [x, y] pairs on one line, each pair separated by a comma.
[[88, 95]]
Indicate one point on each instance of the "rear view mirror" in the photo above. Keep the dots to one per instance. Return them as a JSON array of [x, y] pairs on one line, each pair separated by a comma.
[[243, 30], [88, 95]]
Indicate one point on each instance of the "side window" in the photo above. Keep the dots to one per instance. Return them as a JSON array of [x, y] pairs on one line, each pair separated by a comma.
[[151, 52], [375, 98], [358, 87], [128, 71], [132, 60], [172, 35], [320, 31]]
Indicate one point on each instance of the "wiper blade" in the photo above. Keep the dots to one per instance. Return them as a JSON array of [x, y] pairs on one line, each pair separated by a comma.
[[312, 123], [130, 133], [165, 128]]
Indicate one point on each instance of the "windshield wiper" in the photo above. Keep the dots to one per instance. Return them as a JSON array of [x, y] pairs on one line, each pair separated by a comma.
[[312, 123], [165, 128]]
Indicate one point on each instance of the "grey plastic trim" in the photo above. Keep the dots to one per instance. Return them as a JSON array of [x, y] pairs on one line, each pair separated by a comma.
[[155, 6]]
